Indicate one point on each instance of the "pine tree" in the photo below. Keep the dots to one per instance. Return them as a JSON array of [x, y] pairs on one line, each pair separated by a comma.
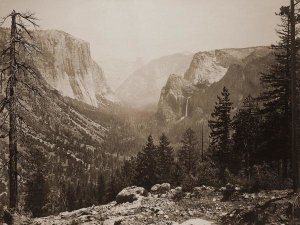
[[177, 175], [165, 159], [36, 197], [101, 187], [112, 189], [220, 133], [128, 172], [36, 186], [276, 99], [246, 125], [146, 175], [79, 196], [70, 198], [187, 155]]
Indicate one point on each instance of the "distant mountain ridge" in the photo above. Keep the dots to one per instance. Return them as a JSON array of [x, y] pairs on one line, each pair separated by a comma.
[[117, 70], [142, 88]]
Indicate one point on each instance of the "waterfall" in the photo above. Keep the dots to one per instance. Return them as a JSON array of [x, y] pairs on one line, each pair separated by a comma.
[[187, 106], [186, 110]]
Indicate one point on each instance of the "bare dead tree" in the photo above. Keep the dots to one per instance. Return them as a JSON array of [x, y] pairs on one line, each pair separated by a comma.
[[17, 73]]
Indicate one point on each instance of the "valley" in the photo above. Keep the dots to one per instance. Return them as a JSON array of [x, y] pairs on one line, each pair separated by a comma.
[[140, 117]]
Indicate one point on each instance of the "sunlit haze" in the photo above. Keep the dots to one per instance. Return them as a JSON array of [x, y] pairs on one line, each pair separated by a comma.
[[128, 29]]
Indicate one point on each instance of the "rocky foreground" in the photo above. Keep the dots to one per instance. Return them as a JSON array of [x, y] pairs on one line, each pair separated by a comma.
[[165, 206]]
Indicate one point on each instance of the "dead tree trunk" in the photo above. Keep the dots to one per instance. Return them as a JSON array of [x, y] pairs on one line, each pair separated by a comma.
[[12, 170], [16, 72]]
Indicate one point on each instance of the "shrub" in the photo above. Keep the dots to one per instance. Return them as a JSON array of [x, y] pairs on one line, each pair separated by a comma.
[[188, 183], [207, 175]]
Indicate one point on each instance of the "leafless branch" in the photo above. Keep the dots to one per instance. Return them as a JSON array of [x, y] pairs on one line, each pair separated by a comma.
[[4, 19], [30, 17], [3, 104], [30, 87], [4, 119], [3, 136]]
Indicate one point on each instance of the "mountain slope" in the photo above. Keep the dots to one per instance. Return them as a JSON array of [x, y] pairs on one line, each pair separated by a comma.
[[143, 87], [55, 126]]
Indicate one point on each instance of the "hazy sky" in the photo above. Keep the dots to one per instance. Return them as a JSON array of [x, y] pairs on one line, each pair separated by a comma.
[[128, 29]]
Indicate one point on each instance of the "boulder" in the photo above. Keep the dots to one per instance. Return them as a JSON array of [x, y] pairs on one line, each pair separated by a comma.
[[176, 193], [131, 194], [197, 191], [160, 189], [154, 189]]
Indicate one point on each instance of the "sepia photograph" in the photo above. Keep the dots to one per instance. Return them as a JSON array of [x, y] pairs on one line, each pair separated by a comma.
[[150, 112]]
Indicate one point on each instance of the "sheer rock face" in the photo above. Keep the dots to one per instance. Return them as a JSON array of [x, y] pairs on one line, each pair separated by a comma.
[[67, 65], [173, 99], [195, 93]]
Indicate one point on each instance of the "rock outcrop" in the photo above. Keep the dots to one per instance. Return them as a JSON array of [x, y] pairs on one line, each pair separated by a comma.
[[174, 98], [160, 189], [194, 95], [66, 64], [131, 194], [210, 67]]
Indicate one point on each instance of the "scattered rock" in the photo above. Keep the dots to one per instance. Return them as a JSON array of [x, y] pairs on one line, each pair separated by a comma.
[[176, 193], [131, 194], [202, 191], [160, 189], [196, 222]]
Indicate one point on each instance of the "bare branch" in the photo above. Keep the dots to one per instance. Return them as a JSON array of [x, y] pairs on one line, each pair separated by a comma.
[[30, 17], [3, 104], [3, 70], [3, 136], [22, 106], [27, 69], [5, 51], [4, 119], [25, 29], [4, 19]]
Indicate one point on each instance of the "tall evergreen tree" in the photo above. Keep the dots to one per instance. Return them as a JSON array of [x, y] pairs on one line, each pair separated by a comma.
[[112, 189], [165, 159], [36, 186], [101, 187], [220, 132], [188, 155], [276, 98], [36, 198], [128, 172], [70, 197], [146, 175], [246, 125]]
